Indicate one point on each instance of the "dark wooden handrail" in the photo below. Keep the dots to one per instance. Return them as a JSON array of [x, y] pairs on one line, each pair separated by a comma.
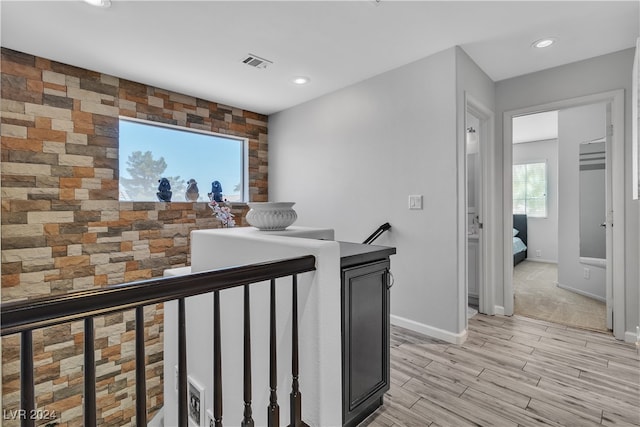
[[19, 316], [24, 316]]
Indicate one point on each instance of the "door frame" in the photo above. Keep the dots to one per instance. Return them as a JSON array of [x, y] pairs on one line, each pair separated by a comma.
[[615, 293], [486, 129]]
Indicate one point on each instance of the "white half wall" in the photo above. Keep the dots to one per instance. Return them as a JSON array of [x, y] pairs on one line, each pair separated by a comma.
[[542, 233], [319, 313]]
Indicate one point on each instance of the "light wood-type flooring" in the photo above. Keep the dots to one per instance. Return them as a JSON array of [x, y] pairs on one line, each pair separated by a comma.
[[511, 371]]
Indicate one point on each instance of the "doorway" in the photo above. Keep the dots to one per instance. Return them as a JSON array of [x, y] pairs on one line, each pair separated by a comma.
[[559, 202], [474, 209], [614, 291], [479, 218]]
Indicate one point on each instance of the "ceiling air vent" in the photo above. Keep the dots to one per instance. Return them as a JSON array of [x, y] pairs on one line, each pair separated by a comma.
[[256, 62]]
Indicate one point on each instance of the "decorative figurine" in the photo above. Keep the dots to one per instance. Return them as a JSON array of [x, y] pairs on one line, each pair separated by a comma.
[[216, 192], [164, 190], [192, 194]]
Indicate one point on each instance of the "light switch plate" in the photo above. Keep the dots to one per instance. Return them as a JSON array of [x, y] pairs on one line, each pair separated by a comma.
[[415, 202]]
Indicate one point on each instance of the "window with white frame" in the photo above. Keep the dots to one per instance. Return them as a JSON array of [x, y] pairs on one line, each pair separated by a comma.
[[150, 151], [530, 189]]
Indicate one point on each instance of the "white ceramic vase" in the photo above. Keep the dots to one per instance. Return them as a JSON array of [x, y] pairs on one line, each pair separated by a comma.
[[271, 216]]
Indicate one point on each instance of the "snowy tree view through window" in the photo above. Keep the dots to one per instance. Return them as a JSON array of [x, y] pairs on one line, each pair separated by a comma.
[[150, 151]]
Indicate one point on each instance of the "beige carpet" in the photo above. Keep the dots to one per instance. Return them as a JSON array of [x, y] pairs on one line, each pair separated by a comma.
[[537, 296]]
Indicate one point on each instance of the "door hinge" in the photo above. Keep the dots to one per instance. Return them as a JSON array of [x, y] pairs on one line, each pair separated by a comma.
[[610, 130]]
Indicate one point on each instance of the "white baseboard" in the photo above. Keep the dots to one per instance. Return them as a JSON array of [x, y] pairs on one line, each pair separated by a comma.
[[581, 292], [546, 261], [499, 310], [631, 337], [430, 331]]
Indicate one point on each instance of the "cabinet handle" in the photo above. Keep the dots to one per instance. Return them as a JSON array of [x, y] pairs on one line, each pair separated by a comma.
[[393, 280]]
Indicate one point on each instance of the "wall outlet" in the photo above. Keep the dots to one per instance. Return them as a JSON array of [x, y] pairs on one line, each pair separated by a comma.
[[538, 253], [587, 273]]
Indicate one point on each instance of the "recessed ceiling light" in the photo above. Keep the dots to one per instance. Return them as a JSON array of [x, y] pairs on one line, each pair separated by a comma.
[[99, 3], [542, 43], [301, 80]]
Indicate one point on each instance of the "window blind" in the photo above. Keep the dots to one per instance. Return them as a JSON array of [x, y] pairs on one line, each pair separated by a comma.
[[530, 189]]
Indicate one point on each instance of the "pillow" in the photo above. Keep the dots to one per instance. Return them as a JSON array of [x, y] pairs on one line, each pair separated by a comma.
[[515, 232]]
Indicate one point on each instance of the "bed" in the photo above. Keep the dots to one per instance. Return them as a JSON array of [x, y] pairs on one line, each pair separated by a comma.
[[519, 238]]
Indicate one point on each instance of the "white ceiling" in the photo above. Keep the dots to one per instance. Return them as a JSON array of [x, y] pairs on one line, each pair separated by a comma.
[[196, 47]]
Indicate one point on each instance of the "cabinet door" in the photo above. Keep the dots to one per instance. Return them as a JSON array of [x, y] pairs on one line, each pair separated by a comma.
[[365, 338]]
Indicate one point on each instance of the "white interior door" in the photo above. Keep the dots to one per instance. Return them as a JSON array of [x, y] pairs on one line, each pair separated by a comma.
[[609, 215], [581, 128]]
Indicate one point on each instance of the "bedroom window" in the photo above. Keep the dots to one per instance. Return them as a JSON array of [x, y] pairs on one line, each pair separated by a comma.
[[150, 151], [530, 189]]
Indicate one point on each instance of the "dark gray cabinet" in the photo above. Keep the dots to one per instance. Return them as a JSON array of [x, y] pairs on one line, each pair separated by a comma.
[[365, 330]]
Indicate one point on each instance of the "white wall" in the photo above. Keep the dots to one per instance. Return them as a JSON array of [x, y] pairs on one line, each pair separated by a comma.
[[596, 75], [576, 125], [350, 160], [542, 233]]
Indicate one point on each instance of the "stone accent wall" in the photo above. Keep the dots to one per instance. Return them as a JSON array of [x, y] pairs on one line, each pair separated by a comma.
[[63, 228]]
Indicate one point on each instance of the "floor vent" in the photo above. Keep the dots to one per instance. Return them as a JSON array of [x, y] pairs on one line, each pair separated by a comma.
[[256, 62]]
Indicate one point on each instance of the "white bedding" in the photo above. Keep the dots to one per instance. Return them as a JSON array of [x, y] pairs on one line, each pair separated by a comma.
[[518, 245]]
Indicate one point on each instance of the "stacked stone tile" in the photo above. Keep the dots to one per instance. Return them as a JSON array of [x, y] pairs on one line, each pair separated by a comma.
[[63, 228]]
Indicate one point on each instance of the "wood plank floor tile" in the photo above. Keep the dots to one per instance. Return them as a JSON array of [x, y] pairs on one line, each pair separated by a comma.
[[581, 384], [435, 383], [440, 416], [479, 384], [417, 359], [478, 353], [544, 369], [623, 385], [511, 371], [623, 409], [378, 419], [610, 419], [566, 402], [624, 355], [463, 408], [508, 345], [522, 416], [447, 359], [401, 396], [562, 416], [401, 416]]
